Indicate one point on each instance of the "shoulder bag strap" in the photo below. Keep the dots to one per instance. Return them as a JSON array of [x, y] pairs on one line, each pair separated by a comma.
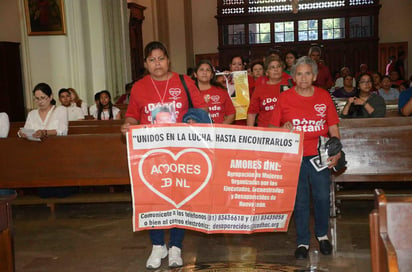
[[187, 91]]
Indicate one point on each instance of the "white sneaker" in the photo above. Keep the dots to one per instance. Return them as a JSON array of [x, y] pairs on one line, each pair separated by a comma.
[[155, 258], [175, 258]]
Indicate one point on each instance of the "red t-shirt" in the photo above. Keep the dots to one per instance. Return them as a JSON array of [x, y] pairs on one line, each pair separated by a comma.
[[144, 97], [263, 79], [324, 77], [313, 115], [219, 103], [263, 102]]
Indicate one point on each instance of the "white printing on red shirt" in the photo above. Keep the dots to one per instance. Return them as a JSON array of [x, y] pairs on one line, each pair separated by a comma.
[[313, 115]]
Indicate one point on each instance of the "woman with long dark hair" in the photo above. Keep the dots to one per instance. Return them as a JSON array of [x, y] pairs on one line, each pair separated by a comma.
[[364, 104], [221, 108], [105, 108]]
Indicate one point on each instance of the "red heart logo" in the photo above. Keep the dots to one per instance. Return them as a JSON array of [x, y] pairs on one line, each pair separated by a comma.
[[175, 92], [176, 178], [321, 108], [215, 98]]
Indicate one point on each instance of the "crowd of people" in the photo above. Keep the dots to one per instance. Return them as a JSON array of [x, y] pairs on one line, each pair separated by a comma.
[[284, 92]]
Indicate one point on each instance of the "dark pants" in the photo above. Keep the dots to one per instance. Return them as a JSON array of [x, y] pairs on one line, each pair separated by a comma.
[[319, 184], [176, 237]]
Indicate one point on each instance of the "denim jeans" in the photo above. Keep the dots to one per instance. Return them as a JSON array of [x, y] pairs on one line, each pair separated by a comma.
[[176, 237], [7, 192], [319, 184]]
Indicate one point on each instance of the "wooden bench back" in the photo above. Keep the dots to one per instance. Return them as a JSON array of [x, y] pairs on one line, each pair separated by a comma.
[[391, 233], [80, 127], [377, 149], [94, 159]]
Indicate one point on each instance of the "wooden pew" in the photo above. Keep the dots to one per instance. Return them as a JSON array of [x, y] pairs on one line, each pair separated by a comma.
[[94, 126], [391, 233], [377, 150], [80, 127], [73, 160]]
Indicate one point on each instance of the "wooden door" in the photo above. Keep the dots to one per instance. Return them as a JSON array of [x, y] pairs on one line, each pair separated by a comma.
[[387, 50]]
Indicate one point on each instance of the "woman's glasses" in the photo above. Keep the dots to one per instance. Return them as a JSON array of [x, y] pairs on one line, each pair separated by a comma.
[[41, 98]]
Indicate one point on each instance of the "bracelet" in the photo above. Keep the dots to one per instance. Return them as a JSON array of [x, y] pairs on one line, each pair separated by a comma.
[[18, 134]]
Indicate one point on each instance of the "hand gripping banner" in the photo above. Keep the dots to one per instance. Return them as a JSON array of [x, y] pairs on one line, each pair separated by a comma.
[[213, 178]]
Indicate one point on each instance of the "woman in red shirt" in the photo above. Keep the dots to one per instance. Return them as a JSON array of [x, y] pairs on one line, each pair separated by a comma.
[[161, 88], [309, 109], [265, 96], [221, 108]]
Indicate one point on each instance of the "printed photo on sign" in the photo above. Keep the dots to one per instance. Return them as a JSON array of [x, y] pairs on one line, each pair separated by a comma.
[[164, 114], [237, 86]]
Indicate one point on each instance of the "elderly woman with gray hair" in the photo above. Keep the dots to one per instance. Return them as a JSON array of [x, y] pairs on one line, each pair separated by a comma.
[[310, 109]]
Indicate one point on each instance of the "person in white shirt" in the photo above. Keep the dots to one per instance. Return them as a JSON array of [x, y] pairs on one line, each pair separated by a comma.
[[344, 71], [4, 125], [80, 103], [105, 109], [48, 119], [93, 108], [74, 113]]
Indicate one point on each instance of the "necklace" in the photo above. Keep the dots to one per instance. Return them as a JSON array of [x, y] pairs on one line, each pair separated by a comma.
[[157, 90]]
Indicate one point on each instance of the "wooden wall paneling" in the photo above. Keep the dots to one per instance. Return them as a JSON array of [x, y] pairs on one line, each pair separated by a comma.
[[11, 80], [136, 39]]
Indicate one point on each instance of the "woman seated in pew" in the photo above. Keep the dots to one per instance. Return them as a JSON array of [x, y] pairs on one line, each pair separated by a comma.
[[105, 108], [347, 90], [80, 103], [47, 120], [365, 104], [387, 91]]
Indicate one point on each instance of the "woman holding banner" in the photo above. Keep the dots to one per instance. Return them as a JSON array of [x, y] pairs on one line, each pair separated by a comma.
[[310, 109], [265, 96], [160, 88]]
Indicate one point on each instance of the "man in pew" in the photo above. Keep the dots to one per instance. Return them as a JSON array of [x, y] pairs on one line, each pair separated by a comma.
[[74, 113], [405, 102], [93, 108]]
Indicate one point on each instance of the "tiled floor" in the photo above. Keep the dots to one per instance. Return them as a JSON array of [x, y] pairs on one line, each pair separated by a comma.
[[99, 237]]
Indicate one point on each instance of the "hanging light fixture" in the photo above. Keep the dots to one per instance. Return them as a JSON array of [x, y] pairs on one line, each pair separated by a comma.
[[295, 6]]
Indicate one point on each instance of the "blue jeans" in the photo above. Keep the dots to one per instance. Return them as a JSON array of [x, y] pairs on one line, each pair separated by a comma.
[[319, 184], [176, 237], [7, 192]]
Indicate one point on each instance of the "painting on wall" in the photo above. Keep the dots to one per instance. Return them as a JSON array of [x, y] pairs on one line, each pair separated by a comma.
[[45, 17]]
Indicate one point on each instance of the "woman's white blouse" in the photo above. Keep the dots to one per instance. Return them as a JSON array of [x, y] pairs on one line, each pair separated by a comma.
[[56, 119], [106, 114]]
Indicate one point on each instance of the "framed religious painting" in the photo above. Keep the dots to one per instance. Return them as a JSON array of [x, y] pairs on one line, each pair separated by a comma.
[[45, 17]]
